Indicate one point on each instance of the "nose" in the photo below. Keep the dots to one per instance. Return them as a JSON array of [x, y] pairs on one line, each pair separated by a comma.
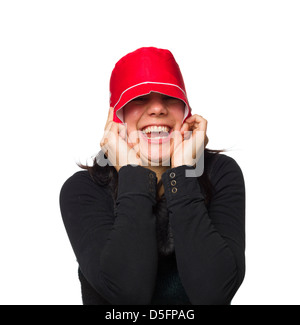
[[156, 106]]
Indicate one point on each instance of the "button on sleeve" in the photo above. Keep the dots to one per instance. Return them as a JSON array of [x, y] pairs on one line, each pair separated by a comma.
[[177, 185]]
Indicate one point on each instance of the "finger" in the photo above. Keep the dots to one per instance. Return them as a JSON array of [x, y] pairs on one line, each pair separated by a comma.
[[185, 131], [110, 133], [133, 144], [103, 144], [195, 118], [112, 126], [199, 125], [110, 116], [122, 131], [185, 127], [176, 138], [134, 138], [197, 122]]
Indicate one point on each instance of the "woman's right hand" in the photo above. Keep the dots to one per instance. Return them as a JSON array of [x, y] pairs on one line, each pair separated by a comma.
[[115, 145]]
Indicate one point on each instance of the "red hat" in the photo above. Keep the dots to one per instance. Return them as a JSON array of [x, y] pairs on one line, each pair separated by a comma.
[[145, 70]]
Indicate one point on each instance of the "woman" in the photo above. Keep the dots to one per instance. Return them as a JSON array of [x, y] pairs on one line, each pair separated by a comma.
[[142, 229]]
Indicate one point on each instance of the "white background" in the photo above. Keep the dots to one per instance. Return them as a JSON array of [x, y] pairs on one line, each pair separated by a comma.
[[240, 62]]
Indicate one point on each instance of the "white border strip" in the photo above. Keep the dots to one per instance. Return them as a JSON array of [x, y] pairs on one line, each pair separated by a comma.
[[149, 82]]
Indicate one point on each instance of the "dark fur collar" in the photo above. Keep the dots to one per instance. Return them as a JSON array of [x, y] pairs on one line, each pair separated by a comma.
[[164, 235]]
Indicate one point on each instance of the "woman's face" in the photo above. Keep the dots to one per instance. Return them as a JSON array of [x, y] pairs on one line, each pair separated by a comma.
[[153, 118]]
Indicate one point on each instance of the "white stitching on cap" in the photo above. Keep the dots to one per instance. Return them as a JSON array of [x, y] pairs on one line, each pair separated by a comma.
[[142, 83], [149, 82]]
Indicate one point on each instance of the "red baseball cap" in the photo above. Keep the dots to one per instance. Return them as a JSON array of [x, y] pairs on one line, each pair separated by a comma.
[[147, 69]]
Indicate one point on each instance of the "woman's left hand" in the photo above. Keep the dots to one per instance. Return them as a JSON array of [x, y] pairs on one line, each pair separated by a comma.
[[189, 146]]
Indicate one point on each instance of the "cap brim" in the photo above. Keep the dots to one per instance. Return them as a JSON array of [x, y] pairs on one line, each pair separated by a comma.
[[146, 88]]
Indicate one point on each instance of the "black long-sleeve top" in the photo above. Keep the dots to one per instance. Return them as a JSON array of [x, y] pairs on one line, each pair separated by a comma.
[[116, 247]]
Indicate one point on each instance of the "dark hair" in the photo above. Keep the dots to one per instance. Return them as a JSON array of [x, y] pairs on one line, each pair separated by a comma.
[[108, 176]]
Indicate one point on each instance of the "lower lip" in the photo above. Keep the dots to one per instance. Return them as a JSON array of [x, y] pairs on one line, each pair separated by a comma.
[[155, 140]]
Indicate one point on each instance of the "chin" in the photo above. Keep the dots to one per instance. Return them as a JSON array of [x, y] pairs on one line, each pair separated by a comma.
[[156, 157]]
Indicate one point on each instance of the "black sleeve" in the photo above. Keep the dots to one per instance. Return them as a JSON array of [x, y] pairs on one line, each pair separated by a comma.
[[209, 242], [117, 255]]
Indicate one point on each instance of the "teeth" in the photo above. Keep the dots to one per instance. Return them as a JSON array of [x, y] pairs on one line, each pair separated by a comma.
[[155, 128]]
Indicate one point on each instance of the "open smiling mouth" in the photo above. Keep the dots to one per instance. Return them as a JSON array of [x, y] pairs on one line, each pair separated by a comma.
[[156, 134]]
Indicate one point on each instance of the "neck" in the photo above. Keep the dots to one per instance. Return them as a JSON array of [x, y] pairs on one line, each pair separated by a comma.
[[159, 170]]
